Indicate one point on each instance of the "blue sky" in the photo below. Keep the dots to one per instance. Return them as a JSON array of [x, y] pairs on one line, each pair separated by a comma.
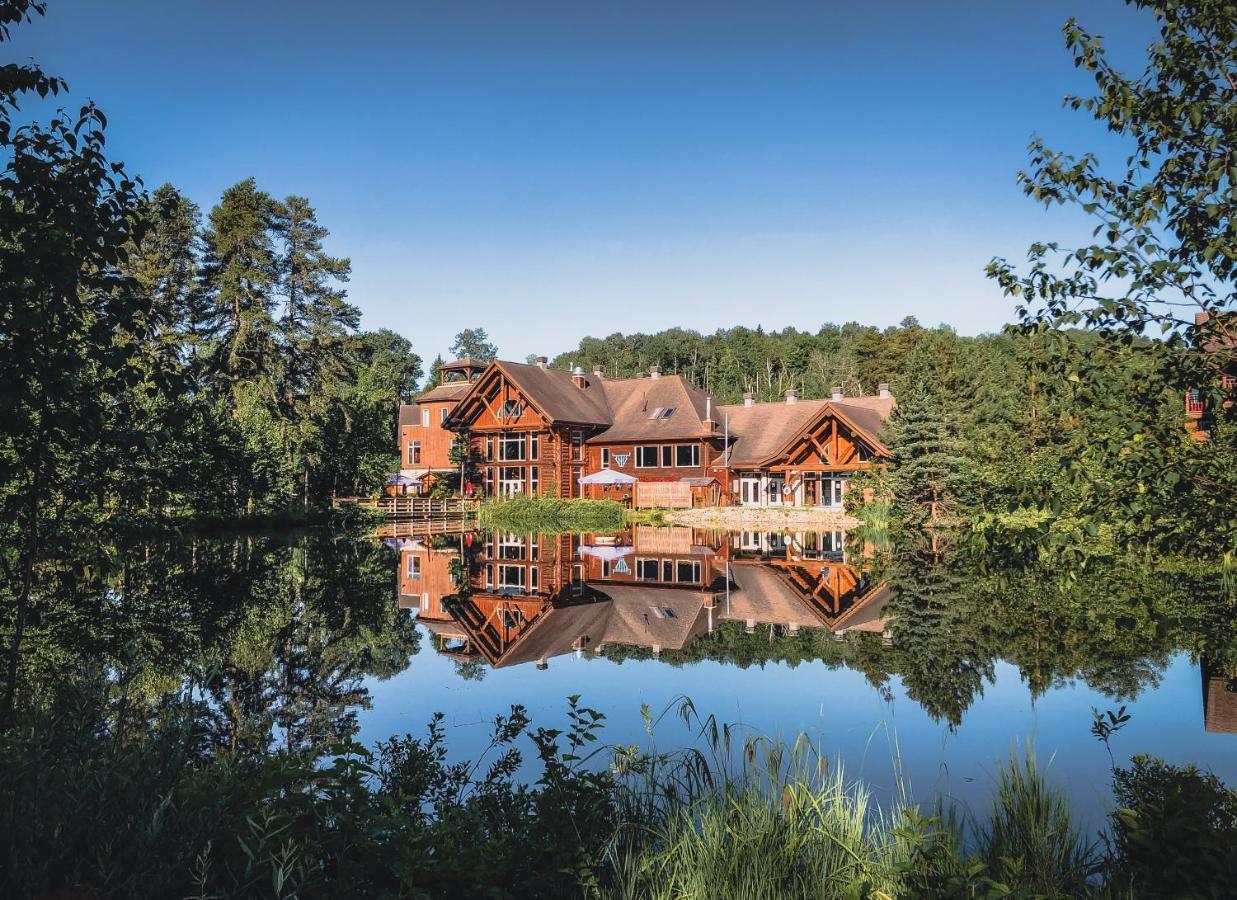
[[551, 170]]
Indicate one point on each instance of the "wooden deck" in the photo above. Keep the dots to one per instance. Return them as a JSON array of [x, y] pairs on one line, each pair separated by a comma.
[[416, 508]]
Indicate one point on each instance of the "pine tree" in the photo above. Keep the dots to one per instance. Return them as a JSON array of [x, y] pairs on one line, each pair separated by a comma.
[[316, 315], [239, 274], [433, 377], [928, 474], [164, 262]]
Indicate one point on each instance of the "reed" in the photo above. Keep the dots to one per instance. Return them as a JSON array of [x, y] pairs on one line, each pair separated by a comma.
[[551, 515]]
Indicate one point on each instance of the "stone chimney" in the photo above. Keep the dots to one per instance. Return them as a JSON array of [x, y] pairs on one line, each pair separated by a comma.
[[884, 390], [792, 396], [654, 371], [577, 377], [748, 398], [599, 371], [837, 392], [541, 362]]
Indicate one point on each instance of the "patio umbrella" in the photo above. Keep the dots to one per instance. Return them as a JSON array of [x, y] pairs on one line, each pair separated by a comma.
[[610, 553], [609, 476], [401, 480]]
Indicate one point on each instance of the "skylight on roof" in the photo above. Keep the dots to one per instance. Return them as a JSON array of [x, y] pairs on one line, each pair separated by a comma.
[[668, 412], [656, 413]]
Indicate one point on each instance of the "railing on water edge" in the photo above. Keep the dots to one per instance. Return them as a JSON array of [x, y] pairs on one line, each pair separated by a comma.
[[420, 508]]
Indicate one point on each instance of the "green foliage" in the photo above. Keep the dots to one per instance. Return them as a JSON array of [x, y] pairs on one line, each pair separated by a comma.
[[1174, 830], [551, 515], [473, 343]]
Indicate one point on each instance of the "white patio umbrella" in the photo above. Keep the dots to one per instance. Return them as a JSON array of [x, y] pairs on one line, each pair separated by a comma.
[[610, 553], [609, 476]]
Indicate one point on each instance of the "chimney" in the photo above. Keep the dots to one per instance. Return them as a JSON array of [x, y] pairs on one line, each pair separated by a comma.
[[541, 362], [884, 390], [792, 396], [748, 398], [599, 371], [654, 371], [577, 377], [837, 392], [708, 409]]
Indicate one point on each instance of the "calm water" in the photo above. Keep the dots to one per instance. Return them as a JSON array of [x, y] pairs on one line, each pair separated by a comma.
[[877, 656], [943, 662]]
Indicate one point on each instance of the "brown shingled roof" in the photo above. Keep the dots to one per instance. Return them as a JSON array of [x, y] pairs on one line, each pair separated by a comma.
[[554, 391], [633, 400], [763, 431], [449, 390]]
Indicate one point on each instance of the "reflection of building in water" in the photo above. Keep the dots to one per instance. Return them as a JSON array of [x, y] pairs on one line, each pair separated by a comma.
[[532, 597], [1219, 700]]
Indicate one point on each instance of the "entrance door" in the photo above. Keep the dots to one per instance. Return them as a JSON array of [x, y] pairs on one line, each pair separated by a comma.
[[510, 481], [749, 490], [833, 491]]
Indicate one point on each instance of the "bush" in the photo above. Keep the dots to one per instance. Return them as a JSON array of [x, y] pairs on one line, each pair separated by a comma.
[[1175, 830]]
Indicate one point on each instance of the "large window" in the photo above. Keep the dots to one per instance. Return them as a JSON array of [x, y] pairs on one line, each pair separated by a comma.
[[687, 456], [646, 457], [646, 569], [511, 446], [687, 572], [510, 480], [414, 453], [413, 567], [512, 579]]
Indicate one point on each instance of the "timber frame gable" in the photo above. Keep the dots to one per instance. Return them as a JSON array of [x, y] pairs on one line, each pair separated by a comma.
[[486, 404], [831, 441]]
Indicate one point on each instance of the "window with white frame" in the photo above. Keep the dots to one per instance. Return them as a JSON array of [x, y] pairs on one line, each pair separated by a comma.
[[534, 445], [646, 569], [413, 566], [667, 456], [425, 418], [605, 457], [442, 415], [687, 456], [511, 445], [414, 453], [687, 572], [646, 457], [512, 409]]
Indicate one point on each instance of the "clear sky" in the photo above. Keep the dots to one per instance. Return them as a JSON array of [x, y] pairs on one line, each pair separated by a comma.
[[549, 170]]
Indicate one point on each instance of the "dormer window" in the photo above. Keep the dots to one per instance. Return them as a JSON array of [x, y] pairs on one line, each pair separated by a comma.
[[512, 409]]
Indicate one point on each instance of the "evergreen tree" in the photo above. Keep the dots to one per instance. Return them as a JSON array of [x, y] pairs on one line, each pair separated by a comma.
[[474, 343], [240, 274], [164, 262], [928, 472], [433, 377], [316, 315]]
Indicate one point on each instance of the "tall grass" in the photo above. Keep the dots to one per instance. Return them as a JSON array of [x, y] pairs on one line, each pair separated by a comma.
[[756, 818], [551, 515]]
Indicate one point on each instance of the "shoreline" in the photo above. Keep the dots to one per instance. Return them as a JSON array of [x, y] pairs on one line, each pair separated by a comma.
[[746, 518]]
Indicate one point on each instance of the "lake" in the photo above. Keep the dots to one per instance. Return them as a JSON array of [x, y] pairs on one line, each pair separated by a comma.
[[926, 667], [900, 663]]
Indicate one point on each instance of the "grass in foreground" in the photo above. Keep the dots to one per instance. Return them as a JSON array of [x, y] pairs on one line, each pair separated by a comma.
[[551, 515]]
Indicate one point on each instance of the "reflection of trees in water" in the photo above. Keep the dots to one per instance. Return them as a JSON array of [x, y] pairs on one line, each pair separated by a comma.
[[262, 637], [1113, 626]]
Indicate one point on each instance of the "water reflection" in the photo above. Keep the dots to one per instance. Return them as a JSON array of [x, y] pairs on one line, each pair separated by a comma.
[[514, 599]]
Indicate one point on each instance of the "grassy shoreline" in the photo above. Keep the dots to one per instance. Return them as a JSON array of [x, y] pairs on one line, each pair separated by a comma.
[[551, 515]]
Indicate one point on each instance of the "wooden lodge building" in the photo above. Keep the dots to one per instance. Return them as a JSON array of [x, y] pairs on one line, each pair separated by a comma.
[[532, 430], [528, 598]]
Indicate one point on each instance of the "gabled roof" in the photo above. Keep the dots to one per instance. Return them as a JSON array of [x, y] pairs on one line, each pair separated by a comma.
[[621, 408], [633, 400], [764, 431]]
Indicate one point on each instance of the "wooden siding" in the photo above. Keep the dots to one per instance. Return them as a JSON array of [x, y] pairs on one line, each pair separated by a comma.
[[435, 440]]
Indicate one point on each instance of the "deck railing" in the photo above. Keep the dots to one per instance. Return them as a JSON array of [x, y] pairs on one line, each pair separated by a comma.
[[1194, 405], [406, 507]]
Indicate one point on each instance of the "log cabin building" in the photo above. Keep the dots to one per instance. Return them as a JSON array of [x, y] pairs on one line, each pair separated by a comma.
[[533, 430], [1217, 338], [530, 598]]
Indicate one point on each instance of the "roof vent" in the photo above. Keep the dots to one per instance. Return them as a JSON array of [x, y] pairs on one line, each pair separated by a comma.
[[837, 392], [541, 362], [654, 371], [748, 398], [599, 371], [792, 396], [577, 376], [884, 391]]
